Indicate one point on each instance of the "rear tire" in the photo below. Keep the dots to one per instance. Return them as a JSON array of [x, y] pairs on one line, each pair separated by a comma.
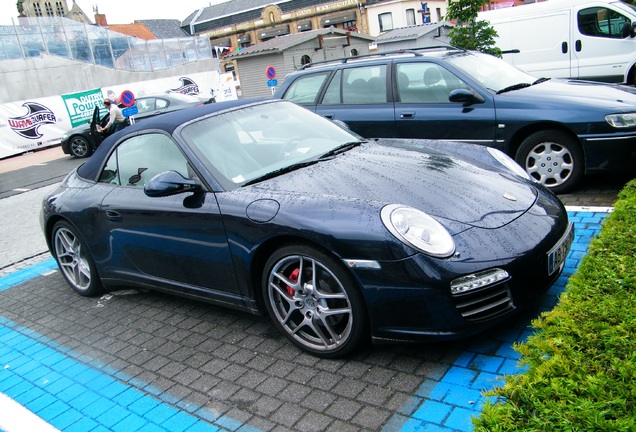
[[552, 158], [75, 261], [314, 301]]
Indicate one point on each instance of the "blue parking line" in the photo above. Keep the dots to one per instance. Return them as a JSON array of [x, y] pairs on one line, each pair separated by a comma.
[[450, 403], [44, 378]]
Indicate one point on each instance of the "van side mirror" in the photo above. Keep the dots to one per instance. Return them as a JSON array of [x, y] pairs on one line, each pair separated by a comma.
[[466, 97], [628, 30]]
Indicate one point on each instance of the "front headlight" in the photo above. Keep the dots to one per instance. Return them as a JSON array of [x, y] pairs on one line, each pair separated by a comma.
[[418, 230], [621, 120], [508, 162]]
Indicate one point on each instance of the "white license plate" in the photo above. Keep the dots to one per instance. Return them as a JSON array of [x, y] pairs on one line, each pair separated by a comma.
[[557, 255]]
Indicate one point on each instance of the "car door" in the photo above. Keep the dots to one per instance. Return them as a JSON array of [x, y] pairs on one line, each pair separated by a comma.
[[423, 109], [359, 96], [175, 241], [600, 50]]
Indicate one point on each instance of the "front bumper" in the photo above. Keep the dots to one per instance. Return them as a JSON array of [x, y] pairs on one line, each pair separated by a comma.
[[411, 299]]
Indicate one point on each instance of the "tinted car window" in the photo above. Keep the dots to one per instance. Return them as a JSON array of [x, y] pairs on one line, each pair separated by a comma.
[[305, 89], [364, 85], [138, 159], [333, 95], [425, 83], [601, 22]]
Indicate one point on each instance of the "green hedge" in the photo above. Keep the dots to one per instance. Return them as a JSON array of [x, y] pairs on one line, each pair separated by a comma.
[[581, 363]]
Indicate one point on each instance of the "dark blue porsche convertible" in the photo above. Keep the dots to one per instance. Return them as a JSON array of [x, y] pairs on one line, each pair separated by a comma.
[[266, 207]]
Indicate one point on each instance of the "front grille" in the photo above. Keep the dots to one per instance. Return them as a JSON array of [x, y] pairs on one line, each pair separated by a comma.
[[484, 304]]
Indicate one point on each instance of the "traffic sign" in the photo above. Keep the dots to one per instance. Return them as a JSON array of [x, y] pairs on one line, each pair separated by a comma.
[[127, 98], [272, 83], [129, 111], [270, 72]]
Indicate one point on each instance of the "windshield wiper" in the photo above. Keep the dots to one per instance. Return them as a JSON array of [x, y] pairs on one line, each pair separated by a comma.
[[280, 171], [540, 80], [514, 87], [341, 149]]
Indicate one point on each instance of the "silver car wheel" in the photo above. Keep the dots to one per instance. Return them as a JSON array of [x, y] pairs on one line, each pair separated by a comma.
[[72, 260], [79, 147], [310, 303], [550, 164]]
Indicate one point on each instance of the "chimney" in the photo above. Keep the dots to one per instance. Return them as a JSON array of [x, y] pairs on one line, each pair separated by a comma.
[[100, 20]]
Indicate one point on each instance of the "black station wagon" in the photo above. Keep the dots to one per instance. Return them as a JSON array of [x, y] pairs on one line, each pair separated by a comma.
[[558, 130]]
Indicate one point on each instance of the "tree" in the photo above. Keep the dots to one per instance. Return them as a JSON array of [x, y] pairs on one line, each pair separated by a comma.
[[469, 32]]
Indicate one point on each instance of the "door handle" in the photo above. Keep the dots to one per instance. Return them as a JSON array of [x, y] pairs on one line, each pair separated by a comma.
[[577, 45], [407, 115], [564, 47], [113, 216]]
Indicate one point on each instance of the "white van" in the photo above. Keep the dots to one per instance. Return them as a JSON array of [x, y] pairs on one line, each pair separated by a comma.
[[589, 39]]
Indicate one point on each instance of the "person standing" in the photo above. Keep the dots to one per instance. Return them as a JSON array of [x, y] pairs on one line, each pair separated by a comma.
[[116, 117]]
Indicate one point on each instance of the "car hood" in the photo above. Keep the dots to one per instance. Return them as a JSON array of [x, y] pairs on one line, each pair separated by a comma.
[[580, 93], [441, 184]]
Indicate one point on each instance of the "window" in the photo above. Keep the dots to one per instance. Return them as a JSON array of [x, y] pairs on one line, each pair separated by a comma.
[[59, 9], [305, 60], [602, 22], [425, 83], [305, 89], [360, 85], [350, 26], [37, 9], [138, 159], [49, 9], [410, 17], [386, 21]]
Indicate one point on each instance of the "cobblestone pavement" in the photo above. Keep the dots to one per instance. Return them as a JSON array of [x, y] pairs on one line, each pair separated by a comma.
[[133, 360]]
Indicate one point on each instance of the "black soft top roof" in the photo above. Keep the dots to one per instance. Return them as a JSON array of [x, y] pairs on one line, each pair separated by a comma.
[[166, 122]]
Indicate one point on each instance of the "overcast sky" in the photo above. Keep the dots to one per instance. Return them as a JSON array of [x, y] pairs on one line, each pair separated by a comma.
[[122, 11]]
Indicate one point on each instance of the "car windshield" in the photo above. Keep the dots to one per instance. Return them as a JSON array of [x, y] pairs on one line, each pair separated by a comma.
[[492, 72], [250, 143]]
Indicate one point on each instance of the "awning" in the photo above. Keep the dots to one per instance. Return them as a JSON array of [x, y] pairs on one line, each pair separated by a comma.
[[226, 42], [273, 32], [338, 18], [304, 25], [244, 38]]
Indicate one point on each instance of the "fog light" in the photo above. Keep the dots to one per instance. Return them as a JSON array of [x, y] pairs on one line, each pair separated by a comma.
[[478, 280]]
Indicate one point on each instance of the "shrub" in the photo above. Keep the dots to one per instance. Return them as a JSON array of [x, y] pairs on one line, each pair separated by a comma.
[[581, 362]]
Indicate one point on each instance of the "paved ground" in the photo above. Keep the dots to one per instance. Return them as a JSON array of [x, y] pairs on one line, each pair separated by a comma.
[[142, 361]]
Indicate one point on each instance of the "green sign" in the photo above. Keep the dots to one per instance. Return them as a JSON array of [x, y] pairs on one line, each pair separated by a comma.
[[80, 105]]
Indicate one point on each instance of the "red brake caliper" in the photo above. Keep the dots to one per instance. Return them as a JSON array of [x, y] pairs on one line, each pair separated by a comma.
[[294, 278]]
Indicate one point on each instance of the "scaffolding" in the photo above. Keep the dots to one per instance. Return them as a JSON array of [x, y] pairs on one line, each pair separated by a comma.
[[57, 36]]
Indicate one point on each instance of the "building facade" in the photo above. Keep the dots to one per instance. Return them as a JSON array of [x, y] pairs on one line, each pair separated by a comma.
[[238, 24], [384, 16], [50, 9]]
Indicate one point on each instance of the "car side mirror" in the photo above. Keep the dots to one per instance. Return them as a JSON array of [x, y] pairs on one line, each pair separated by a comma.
[[170, 183], [466, 97]]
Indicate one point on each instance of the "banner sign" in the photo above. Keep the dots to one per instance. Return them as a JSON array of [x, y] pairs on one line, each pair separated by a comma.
[[31, 124], [80, 106]]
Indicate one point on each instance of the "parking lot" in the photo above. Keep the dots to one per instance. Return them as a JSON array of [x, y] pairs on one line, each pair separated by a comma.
[[134, 360]]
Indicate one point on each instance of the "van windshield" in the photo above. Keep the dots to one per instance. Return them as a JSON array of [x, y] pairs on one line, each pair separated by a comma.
[[492, 72]]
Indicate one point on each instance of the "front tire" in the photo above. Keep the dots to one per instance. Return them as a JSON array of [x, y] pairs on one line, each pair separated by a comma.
[[314, 301], [75, 261], [80, 147], [552, 158]]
